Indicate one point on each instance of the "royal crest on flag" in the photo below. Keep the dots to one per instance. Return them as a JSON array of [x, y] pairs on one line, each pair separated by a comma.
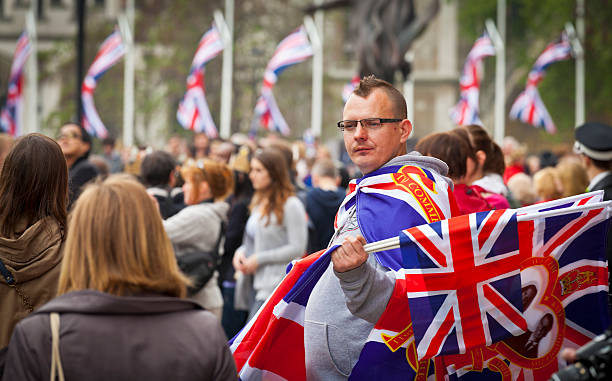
[[110, 52], [193, 112], [10, 116]]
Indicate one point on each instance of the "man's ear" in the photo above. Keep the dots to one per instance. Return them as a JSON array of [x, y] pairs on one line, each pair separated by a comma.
[[406, 128]]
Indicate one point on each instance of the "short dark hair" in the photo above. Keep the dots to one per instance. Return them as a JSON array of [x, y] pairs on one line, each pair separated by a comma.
[[371, 83], [33, 183], [109, 141], [156, 168], [85, 137], [606, 165], [453, 147]]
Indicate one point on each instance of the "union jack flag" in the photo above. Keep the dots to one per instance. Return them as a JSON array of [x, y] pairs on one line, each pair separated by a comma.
[[10, 116], [466, 111], [293, 49], [193, 113], [110, 52], [443, 299], [528, 106], [350, 87]]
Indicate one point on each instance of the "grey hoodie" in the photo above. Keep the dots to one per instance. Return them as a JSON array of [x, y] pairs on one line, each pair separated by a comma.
[[344, 307]]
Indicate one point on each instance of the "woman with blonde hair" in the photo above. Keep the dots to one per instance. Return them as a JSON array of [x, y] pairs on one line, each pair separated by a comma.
[[199, 226], [33, 201], [573, 177], [120, 312], [546, 184], [275, 233]]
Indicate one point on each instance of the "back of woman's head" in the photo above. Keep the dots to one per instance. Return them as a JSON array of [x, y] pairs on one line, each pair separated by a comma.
[[116, 243], [573, 177], [547, 184], [481, 141], [33, 183], [219, 177], [453, 147]]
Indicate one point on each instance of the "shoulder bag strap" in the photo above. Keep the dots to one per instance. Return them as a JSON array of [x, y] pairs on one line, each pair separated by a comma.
[[56, 361]]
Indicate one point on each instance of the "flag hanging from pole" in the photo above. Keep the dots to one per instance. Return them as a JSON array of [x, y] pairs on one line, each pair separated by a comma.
[[465, 112], [528, 106], [110, 52], [10, 116], [193, 112], [293, 49]]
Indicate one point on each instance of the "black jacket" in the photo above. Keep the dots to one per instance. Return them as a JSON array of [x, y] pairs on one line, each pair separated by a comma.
[[81, 172]]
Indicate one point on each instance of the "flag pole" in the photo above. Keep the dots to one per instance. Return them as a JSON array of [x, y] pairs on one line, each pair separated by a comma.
[[394, 242], [579, 54], [409, 89], [226, 30], [500, 86], [80, 45], [314, 29], [126, 27], [32, 71]]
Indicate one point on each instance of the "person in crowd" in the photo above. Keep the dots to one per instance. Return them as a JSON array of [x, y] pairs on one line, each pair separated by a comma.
[[532, 164], [121, 312], [197, 227], [275, 232], [514, 156], [322, 202], [233, 320], [76, 146], [454, 148], [222, 151], [489, 168], [594, 145], [200, 147], [353, 292], [522, 190], [573, 177], [34, 197], [158, 171], [112, 157], [6, 143], [546, 184], [101, 165]]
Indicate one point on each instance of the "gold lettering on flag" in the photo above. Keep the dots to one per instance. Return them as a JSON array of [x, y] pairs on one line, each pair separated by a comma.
[[395, 342], [404, 179]]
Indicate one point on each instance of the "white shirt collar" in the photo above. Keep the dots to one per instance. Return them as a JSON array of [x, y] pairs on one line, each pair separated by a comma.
[[597, 179]]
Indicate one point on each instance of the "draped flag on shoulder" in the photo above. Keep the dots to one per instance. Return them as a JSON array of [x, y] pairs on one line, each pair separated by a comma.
[[466, 111], [193, 112], [110, 52], [528, 106], [490, 295], [10, 116], [293, 49]]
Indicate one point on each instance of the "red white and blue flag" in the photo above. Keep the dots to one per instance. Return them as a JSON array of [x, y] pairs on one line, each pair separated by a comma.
[[193, 112], [528, 106], [561, 294], [293, 49], [110, 52], [466, 111], [10, 116], [350, 87]]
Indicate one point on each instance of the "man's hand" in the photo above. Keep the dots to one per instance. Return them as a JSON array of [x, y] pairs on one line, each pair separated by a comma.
[[350, 255]]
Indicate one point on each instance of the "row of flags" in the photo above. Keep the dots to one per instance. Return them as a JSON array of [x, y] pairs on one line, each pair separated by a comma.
[[193, 112], [528, 106], [538, 283]]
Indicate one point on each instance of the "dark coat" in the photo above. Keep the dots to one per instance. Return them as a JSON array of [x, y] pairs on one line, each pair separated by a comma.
[[321, 206], [605, 184], [81, 172], [107, 337]]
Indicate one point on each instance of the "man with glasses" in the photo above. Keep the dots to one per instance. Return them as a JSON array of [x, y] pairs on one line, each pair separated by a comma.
[[398, 190], [75, 143]]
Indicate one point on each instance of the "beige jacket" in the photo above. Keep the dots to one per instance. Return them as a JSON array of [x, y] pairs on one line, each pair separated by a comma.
[[32, 259]]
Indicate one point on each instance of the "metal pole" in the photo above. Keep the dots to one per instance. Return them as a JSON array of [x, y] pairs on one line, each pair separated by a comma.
[[580, 66], [500, 74], [80, 46], [31, 124], [126, 26], [313, 29], [226, 29]]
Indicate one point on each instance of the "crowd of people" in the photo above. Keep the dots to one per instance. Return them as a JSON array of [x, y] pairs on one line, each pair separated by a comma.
[[89, 244]]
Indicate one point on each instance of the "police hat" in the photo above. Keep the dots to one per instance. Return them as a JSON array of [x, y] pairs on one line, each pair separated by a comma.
[[594, 140]]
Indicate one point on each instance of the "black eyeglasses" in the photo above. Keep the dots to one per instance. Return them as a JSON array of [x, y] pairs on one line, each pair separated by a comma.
[[369, 124]]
